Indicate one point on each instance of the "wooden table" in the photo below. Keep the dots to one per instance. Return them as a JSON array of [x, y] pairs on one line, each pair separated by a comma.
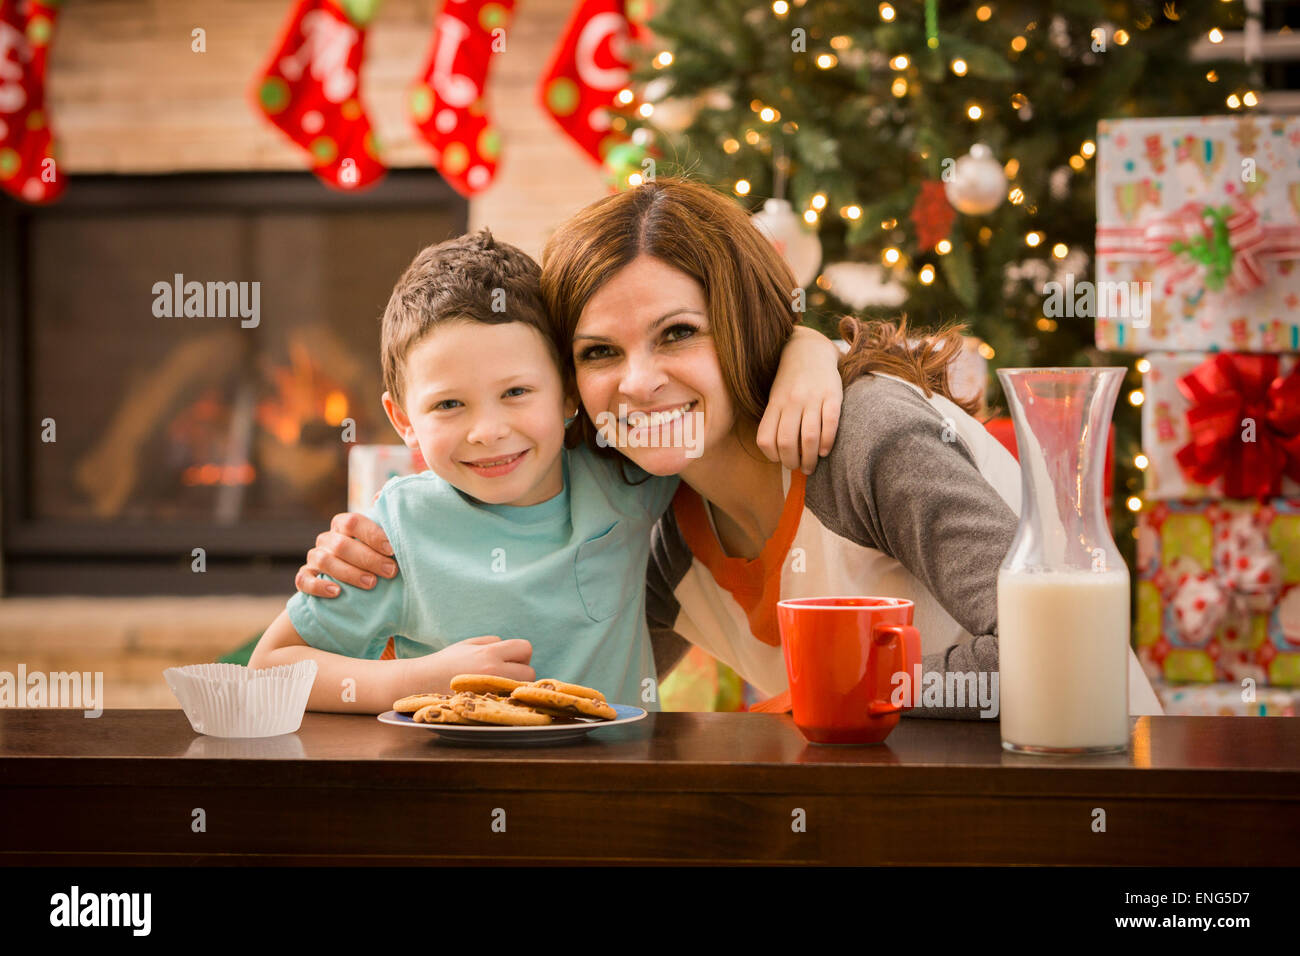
[[675, 788]]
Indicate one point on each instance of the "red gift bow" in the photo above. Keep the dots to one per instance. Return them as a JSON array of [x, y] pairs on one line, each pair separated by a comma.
[[1251, 241], [1224, 392]]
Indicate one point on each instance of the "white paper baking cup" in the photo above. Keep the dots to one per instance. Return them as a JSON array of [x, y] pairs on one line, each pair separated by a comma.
[[229, 700]]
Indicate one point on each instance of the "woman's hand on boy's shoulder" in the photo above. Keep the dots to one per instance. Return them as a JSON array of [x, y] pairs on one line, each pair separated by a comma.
[[353, 551]]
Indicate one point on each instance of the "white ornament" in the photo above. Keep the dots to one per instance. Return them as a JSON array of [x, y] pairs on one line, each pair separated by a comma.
[[1059, 182], [657, 89], [860, 284], [801, 249], [978, 184], [1059, 31], [672, 113], [1036, 272]]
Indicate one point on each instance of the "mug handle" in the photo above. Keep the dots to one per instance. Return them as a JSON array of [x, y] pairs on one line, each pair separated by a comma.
[[906, 641]]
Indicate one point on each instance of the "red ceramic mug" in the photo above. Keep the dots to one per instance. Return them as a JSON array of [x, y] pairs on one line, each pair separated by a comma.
[[841, 654]]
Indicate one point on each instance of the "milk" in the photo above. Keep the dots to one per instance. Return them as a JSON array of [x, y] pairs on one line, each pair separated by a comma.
[[1063, 645]]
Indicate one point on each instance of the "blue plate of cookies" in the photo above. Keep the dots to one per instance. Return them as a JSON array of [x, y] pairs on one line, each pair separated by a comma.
[[487, 710]]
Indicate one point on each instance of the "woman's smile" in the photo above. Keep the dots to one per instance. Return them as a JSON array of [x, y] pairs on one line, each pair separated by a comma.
[[656, 416]]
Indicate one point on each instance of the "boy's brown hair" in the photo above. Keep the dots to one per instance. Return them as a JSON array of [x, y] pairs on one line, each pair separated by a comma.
[[473, 278]]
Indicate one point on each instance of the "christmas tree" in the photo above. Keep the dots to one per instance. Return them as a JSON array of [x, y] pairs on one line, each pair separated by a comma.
[[870, 117]]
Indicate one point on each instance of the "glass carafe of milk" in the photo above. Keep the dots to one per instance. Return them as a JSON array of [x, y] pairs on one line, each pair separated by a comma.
[[1063, 589]]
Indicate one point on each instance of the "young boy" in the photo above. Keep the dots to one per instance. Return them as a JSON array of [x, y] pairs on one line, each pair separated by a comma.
[[508, 532]]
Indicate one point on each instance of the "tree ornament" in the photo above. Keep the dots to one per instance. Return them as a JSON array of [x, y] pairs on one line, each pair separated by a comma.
[[672, 113], [932, 214], [621, 161], [978, 184], [801, 249], [862, 284]]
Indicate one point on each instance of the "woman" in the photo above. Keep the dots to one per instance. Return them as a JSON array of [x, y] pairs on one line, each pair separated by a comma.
[[666, 298]]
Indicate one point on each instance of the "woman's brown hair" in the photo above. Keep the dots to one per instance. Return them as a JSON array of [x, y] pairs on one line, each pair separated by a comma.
[[886, 347], [749, 290]]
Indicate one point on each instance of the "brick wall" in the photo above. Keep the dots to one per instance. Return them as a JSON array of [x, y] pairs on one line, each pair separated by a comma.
[[128, 95]]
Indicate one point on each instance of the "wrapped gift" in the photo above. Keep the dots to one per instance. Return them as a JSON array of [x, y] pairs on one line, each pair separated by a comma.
[[1218, 594], [1204, 214], [1221, 425], [370, 467], [1226, 700]]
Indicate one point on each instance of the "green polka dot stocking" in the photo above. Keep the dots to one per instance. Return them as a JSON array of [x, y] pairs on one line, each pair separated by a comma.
[[447, 101], [28, 168], [311, 90], [588, 69]]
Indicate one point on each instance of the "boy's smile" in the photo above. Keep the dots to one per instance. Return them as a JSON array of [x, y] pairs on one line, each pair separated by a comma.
[[486, 406]]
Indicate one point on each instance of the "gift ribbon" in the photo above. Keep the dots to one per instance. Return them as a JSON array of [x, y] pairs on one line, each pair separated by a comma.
[[1224, 243], [1228, 393]]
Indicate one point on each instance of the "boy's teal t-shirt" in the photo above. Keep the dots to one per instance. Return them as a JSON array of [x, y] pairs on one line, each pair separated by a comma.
[[568, 575]]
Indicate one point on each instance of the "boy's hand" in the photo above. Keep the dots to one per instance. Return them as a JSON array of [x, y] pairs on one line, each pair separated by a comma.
[[353, 551], [476, 655], [803, 411]]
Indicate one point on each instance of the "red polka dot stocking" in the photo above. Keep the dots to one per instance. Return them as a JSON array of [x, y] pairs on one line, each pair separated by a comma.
[[588, 69], [311, 89], [27, 166], [447, 101]]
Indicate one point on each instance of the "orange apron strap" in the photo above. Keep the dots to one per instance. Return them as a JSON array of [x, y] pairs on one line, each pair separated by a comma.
[[390, 652]]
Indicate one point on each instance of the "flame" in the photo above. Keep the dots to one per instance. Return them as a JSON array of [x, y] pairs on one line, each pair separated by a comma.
[[301, 394], [336, 407], [213, 474]]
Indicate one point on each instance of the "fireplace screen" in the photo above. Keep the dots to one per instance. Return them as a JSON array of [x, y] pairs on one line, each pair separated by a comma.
[[197, 357]]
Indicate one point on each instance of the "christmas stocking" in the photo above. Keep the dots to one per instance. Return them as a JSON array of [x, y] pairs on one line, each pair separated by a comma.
[[447, 100], [311, 89], [588, 69], [27, 166]]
